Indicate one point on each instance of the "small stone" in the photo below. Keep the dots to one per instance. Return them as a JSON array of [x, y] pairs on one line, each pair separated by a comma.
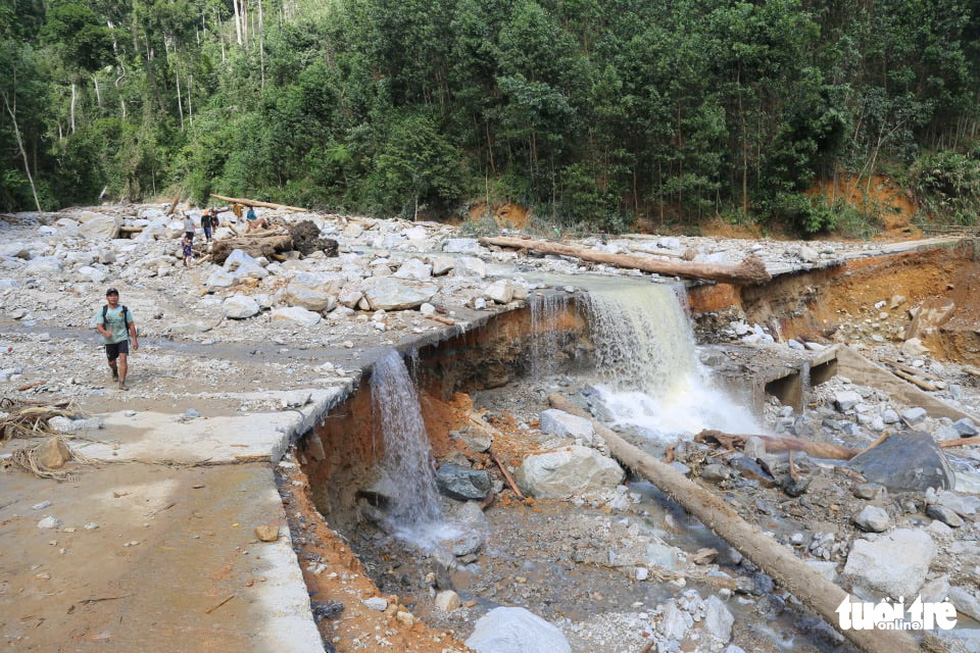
[[872, 519], [945, 515], [870, 491], [716, 473], [91, 526], [49, 522], [41, 506], [53, 454], [641, 573], [447, 601], [376, 603], [267, 532], [405, 618]]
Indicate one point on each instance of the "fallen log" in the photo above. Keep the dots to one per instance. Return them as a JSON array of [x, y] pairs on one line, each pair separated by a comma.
[[962, 442], [911, 370], [920, 383], [257, 245], [777, 444], [798, 578], [266, 205], [751, 271]]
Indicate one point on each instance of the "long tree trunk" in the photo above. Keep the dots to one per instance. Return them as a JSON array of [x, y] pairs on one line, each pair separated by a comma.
[[793, 574], [12, 110], [261, 48], [73, 107], [238, 21], [751, 271]]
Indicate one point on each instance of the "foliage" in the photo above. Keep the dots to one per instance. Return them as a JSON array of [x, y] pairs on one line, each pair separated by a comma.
[[593, 114], [948, 184]]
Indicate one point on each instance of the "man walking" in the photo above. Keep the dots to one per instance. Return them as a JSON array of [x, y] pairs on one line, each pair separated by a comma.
[[116, 325]]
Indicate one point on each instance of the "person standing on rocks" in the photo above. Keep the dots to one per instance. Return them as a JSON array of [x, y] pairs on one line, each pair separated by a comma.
[[116, 325], [189, 226], [208, 222]]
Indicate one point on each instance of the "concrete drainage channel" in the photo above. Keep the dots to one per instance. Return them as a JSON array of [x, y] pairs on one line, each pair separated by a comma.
[[560, 559]]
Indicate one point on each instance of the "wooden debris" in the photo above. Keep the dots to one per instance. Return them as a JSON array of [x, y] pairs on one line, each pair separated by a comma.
[[256, 244], [972, 371], [221, 603], [962, 442], [265, 205], [507, 477], [793, 574], [776, 444], [911, 370], [924, 385], [750, 272], [442, 320]]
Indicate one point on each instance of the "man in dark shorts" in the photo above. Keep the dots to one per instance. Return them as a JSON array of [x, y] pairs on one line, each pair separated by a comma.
[[116, 325]]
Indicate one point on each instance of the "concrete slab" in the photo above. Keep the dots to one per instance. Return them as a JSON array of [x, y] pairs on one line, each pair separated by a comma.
[[150, 558], [163, 437]]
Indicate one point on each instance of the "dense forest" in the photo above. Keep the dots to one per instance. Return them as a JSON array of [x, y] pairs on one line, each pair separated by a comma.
[[594, 113]]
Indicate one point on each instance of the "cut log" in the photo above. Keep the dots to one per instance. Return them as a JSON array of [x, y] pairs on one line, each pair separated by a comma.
[[257, 245], [267, 205], [776, 444], [945, 444], [798, 578], [921, 383], [911, 370], [173, 204], [750, 272]]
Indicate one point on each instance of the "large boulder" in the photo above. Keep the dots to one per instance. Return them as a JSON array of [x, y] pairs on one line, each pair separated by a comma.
[[564, 425], [240, 307], [470, 266], [568, 472], [516, 630], [386, 293], [462, 246], [905, 462], [315, 292], [413, 268], [98, 226], [895, 564]]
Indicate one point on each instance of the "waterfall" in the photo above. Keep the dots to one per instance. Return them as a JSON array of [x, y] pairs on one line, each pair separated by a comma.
[[407, 463], [545, 310], [646, 354]]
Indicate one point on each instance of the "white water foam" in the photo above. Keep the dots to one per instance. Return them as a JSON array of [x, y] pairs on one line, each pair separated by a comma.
[[646, 352]]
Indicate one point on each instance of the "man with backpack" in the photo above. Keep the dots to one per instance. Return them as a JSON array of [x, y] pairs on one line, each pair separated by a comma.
[[116, 325]]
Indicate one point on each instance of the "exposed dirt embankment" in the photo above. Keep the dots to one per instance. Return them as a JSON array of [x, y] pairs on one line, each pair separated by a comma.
[[876, 295]]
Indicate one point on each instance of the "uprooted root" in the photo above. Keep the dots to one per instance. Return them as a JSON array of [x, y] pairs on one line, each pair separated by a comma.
[[28, 459], [29, 419]]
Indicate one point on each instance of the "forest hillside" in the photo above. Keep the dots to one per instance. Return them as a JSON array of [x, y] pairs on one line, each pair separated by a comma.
[[595, 114]]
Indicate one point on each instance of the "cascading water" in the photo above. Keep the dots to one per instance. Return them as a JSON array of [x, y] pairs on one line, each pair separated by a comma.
[[407, 462], [645, 350], [545, 310]]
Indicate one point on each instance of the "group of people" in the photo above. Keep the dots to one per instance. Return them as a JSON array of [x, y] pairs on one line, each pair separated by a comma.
[[114, 322], [209, 223]]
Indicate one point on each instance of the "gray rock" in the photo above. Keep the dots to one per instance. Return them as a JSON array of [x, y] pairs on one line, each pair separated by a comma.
[[462, 246], [845, 400], [872, 519], [415, 269], [97, 226], [675, 622], [501, 292], [964, 504], [296, 314], [870, 491], [312, 291], [564, 425], [965, 602], [569, 472], [219, 279], [461, 483], [376, 603], [754, 447], [516, 630], [716, 473], [240, 307], [442, 265], [915, 415], [945, 515], [966, 428], [386, 293], [889, 416], [49, 523], [895, 564], [718, 620], [905, 462], [472, 267]]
